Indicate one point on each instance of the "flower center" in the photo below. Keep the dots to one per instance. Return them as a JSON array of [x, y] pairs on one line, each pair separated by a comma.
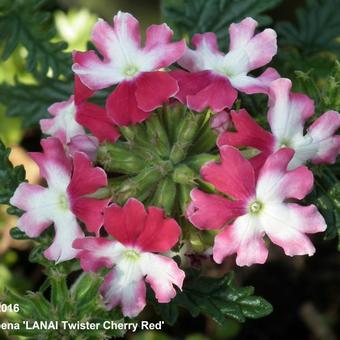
[[284, 144], [132, 254], [255, 207], [63, 202], [224, 70], [130, 70]]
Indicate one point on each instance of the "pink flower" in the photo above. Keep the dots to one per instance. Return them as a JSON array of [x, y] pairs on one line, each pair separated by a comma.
[[215, 76], [142, 85], [71, 116], [138, 235], [287, 115], [258, 208], [63, 201]]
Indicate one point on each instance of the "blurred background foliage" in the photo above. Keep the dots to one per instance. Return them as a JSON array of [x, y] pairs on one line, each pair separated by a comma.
[[36, 41]]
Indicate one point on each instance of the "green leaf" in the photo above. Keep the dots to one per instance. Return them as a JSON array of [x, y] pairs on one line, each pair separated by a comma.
[[218, 298], [25, 23], [64, 303], [254, 307], [30, 102], [324, 90], [326, 196], [17, 234], [317, 28], [197, 16], [10, 177]]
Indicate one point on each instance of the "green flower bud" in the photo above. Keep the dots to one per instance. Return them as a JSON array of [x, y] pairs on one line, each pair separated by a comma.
[[59, 290], [10, 297], [119, 158], [171, 116], [165, 194], [186, 133], [157, 136], [206, 140], [183, 174], [196, 162], [144, 181], [184, 197], [40, 306], [196, 241]]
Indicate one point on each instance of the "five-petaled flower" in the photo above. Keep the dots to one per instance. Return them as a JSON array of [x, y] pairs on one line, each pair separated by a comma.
[[214, 76], [142, 84], [138, 234], [287, 115], [63, 201], [258, 207]]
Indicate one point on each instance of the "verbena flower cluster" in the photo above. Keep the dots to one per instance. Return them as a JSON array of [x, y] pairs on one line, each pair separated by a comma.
[[251, 197]]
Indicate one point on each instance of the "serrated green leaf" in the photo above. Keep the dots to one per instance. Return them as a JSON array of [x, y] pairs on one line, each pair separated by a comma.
[[197, 16], [25, 23], [61, 305], [30, 102], [218, 298], [325, 196], [317, 29]]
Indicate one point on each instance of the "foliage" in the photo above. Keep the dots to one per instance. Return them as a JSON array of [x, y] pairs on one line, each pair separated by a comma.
[[311, 43], [80, 302], [316, 30], [326, 196], [30, 101], [324, 91], [10, 177], [25, 23], [326, 193], [188, 17], [219, 298]]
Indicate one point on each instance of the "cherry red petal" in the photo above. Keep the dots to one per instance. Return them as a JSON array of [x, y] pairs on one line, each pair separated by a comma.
[[234, 176], [122, 106], [217, 96], [190, 83], [95, 118], [153, 89], [85, 178], [125, 223], [248, 133], [81, 91], [90, 211], [160, 234], [207, 211], [201, 90]]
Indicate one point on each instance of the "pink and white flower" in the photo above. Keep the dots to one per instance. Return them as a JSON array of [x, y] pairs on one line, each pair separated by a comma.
[[142, 84], [256, 207], [63, 201], [287, 115], [71, 116], [215, 76], [138, 234]]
